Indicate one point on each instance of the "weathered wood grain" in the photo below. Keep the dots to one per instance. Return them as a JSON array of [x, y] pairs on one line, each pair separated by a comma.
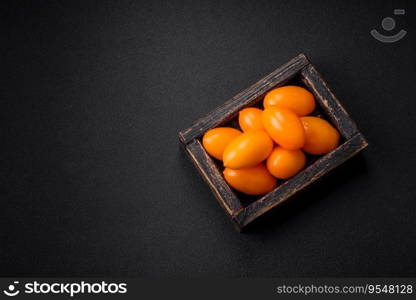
[[247, 97], [289, 188], [328, 101], [213, 177]]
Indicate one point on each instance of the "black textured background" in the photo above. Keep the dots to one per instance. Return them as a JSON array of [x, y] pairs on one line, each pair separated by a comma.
[[94, 183]]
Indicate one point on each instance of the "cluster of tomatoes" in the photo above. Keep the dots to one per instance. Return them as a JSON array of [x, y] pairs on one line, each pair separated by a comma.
[[272, 142]]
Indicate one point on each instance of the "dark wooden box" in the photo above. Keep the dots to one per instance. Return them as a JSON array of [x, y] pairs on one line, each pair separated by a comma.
[[301, 69]]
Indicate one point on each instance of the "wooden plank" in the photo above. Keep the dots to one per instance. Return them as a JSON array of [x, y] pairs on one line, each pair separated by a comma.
[[213, 177], [300, 181], [328, 101], [247, 97]]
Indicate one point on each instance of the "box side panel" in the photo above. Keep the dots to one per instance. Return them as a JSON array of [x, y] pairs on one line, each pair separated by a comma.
[[301, 180], [328, 101]]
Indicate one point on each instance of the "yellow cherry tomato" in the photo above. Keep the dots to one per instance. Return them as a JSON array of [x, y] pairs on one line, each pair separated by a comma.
[[284, 126], [321, 136], [283, 163], [295, 98], [251, 180], [248, 150], [216, 140], [250, 119]]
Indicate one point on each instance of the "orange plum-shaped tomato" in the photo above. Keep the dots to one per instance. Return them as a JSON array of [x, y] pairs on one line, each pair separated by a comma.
[[248, 150], [283, 163], [250, 119], [251, 180], [284, 126], [295, 98], [321, 136], [216, 140]]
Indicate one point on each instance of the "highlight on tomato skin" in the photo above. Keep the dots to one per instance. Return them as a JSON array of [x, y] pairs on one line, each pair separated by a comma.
[[283, 163], [217, 139], [250, 119], [284, 126], [295, 98], [248, 150], [320, 136], [251, 180]]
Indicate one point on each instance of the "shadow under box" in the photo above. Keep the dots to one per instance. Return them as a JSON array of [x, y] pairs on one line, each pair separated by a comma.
[[241, 208]]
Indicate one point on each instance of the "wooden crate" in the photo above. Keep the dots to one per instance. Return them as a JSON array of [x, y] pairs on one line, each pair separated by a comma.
[[300, 67]]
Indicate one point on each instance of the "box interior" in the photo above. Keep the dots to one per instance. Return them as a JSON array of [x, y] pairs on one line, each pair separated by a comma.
[[310, 159]]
